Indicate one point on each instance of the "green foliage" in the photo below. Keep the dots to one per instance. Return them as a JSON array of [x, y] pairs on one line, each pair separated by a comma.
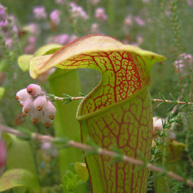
[[19, 178]]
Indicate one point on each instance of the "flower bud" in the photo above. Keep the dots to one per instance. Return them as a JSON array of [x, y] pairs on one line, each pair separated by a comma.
[[36, 116], [22, 95], [28, 106], [34, 89], [3, 153], [50, 111], [157, 126], [46, 121], [40, 103]]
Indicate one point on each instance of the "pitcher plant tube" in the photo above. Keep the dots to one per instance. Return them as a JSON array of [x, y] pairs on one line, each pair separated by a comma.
[[117, 113]]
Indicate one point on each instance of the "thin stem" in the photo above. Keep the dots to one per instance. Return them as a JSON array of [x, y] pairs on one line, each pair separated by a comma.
[[153, 100], [100, 151], [170, 101]]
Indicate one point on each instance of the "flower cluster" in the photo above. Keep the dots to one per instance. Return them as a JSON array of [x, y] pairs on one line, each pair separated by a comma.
[[100, 14], [8, 27], [78, 11], [185, 62], [35, 103], [40, 12]]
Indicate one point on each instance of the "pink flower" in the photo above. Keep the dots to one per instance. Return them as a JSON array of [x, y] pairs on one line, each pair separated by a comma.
[[139, 21], [40, 12], [34, 89], [3, 154], [34, 28], [95, 28], [139, 39], [189, 2], [128, 21], [100, 14], [78, 11], [55, 17], [9, 42], [60, 39]]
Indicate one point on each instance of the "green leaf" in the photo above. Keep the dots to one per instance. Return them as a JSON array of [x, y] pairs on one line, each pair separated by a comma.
[[18, 178], [81, 171], [20, 155], [24, 61], [2, 91]]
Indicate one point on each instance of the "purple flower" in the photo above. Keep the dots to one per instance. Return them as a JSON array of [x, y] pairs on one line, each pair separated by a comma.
[[128, 20], [139, 21], [55, 17], [100, 14], [184, 60], [34, 28], [190, 2], [3, 18], [95, 28], [9, 42], [49, 148], [60, 39], [78, 11], [40, 12]]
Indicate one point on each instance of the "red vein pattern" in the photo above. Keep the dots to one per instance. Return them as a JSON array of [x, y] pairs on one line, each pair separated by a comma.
[[127, 125], [122, 75]]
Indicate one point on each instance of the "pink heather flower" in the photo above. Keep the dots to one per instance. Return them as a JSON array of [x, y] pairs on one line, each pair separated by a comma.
[[3, 18], [34, 89], [94, 2], [184, 60], [128, 21], [3, 154], [139, 39], [49, 148], [78, 11], [55, 17], [190, 2], [46, 121], [157, 126], [139, 21], [60, 39], [50, 111], [29, 49], [34, 28], [95, 28], [40, 12], [40, 103], [9, 42], [22, 95], [28, 106], [100, 14], [36, 116]]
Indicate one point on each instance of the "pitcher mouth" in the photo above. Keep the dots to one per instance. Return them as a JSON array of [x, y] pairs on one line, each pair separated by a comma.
[[80, 117]]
